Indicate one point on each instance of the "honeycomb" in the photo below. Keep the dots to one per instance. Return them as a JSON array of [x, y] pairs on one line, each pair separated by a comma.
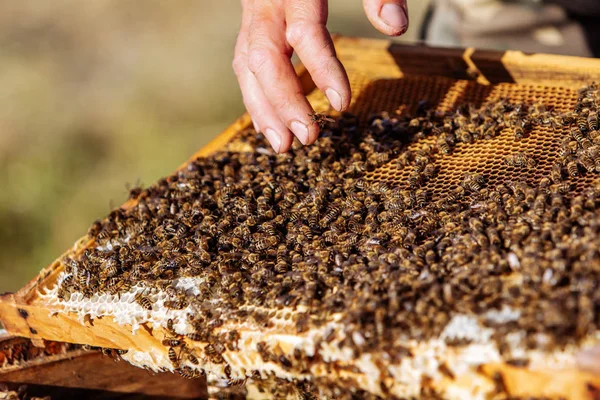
[[485, 157], [473, 278]]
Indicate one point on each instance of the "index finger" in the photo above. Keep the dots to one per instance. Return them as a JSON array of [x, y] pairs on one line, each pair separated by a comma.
[[308, 35], [268, 59]]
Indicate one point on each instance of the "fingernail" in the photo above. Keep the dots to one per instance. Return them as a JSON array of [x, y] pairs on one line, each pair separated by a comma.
[[255, 125], [334, 99], [394, 16], [274, 139], [301, 131]]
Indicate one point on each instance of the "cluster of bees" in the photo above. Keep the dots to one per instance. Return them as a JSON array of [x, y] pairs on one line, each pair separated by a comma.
[[17, 351], [580, 148], [179, 351], [311, 227]]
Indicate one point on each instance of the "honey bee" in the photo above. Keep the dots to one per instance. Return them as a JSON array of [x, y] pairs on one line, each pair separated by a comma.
[[173, 357], [568, 118], [236, 382], [172, 342], [265, 242], [587, 163], [66, 288], [539, 205], [210, 349], [332, 212], [103, 235], [556, 173], [586, 143], [495, 196], [171, 326], [563, 187], [582, 123], [473, 182], [421, 198], [595, 137], [577, 207], [572, 168], [577, 135], [475, 224], [444, 146], [429, 171], [176, 304], [144, 301], [520, 160], [192, 358], [281, 267], [110, 269], [320, 119], [195, 336], [464, 136], [519, 133], [114, 285], [493, 236], [95, 229], [188, 372], [456, 194]]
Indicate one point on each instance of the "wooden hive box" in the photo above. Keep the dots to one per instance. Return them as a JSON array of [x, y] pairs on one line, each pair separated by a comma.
[[384, 76]]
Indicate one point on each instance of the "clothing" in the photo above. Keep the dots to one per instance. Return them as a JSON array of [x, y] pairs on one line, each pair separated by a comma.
[[587, 13], [557, 26]]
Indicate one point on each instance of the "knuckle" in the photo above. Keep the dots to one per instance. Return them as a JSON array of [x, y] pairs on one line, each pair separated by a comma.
[[298, 31], [258, 57], [238, 64], [295, 33]]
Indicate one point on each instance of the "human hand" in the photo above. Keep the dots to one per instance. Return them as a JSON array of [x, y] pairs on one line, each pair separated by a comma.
[[271, 31]]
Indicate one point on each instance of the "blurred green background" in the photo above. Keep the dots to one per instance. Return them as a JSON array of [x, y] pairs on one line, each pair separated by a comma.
[[98, 95]]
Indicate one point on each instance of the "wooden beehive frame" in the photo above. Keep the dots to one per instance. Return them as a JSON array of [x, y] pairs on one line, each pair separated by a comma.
[[24, 313], [55, 369]]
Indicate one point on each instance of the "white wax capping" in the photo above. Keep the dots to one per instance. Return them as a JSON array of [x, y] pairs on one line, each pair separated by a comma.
[[506, 314], [466, 327], [427, 356], [513, 261]]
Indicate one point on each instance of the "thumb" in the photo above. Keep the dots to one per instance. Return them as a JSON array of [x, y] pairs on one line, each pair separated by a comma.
[[389, 17]]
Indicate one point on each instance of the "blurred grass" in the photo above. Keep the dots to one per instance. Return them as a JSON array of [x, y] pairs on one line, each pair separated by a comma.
[[98, 95]]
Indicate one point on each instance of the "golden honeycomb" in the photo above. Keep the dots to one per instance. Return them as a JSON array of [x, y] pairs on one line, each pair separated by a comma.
[[486, 156]]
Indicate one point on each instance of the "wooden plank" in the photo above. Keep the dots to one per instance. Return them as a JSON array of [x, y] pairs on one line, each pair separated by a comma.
[[495, 66], [568, 384], [37, 321], [367, 57], [58, 366], [423, 60], [551, 70], [17, 353], [103, 377]]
